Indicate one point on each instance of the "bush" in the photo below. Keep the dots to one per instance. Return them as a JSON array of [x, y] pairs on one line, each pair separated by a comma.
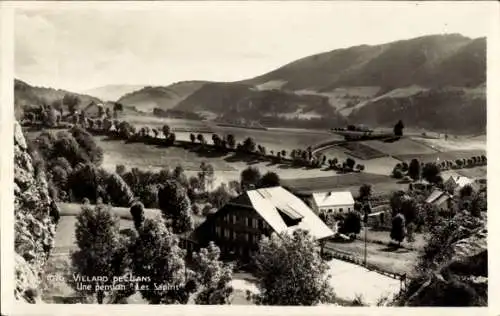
[[431, 172], [220, 196], [137, 212], [270, 179], [351, 224], [327, 256], [88, 145], [250, 177], [397, 173], [87, 181], [398, 228], [196, 209], [207, 210]]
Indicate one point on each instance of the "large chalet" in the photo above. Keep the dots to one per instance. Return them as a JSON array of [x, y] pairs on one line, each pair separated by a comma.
[[240, 224]]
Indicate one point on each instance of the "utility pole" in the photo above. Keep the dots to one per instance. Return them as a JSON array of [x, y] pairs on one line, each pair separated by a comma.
[[367, 210]]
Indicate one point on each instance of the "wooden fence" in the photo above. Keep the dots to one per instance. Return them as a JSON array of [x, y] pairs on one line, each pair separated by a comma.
[[347, 257]]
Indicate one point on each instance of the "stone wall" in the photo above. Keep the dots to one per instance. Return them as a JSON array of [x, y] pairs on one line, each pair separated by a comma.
[[34, 227]]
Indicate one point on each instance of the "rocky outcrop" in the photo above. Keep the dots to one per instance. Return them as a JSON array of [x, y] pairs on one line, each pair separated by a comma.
[[34, 227]]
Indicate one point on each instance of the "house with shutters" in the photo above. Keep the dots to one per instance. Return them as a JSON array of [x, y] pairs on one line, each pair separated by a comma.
[[333, 202], [239, 225]]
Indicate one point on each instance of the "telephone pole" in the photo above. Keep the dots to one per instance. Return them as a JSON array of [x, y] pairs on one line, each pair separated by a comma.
[[367, 210]]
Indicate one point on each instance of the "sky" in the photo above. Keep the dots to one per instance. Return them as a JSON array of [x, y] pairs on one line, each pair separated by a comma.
[[78, 46]]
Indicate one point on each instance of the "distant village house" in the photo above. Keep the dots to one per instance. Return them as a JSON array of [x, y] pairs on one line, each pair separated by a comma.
[[441, 199], [333, 202], [455, 183]]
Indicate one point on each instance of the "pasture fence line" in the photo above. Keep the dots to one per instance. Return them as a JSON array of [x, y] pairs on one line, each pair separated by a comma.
[[347, 257]]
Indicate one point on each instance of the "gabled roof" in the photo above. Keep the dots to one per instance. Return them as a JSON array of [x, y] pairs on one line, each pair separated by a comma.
[[437, 197], [268, 202], [443, 198], [333, 198], [460, 181]]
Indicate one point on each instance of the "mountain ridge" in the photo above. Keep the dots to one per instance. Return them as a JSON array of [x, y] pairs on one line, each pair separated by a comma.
[[112, 92], [435, 77]]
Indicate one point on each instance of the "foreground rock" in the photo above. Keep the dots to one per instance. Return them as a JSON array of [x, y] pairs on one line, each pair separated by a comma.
[[34, 227]]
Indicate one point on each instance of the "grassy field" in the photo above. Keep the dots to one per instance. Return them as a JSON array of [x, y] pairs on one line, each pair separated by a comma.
[[384, 236], [381, 184], [476, 172], [150, 156], [65, 234], [396, 261], [362, 151], [404, 146], [273, 138], [449, 155]]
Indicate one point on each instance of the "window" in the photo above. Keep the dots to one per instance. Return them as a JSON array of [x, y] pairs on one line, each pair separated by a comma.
[[217, 230], [226, 233], [340, 209], [246, 221], [247, 237], [254, 223], [329, 210], [348, 209], [234, 219], [233, 235]]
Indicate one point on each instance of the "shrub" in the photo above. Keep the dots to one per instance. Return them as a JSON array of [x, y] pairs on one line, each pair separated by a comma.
[[397, 173], [398, 228], [414, 169], [351, 224], [250, 177], [220, 196], [196, 209], [137, 212], [404, 167], [365, 192], [87, 181], [431, 172], [270, 179], [207, 210]]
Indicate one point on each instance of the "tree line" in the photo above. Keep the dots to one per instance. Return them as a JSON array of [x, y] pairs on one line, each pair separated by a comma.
[[416, 170]]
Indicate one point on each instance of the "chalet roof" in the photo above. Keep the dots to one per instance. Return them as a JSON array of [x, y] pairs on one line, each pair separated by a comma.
[[441, 199], [268, 202], [437, 197], [333, 198], [460, 181]]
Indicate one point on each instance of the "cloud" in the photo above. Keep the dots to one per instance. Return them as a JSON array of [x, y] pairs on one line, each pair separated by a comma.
[[84, 47]]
